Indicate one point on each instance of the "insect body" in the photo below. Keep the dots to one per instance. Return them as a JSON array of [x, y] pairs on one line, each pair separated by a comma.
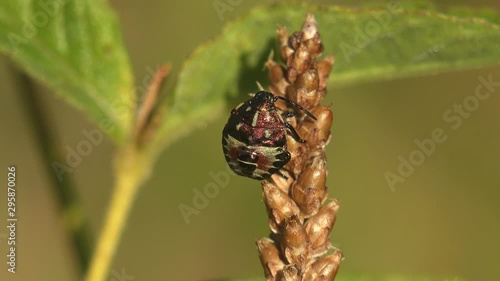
[[254, 138]]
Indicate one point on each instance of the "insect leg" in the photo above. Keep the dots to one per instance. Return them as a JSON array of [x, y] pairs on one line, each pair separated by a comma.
[[296, 105], [294, 133]]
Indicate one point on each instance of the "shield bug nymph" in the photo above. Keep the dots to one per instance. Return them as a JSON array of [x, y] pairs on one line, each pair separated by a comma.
[[254, 138]]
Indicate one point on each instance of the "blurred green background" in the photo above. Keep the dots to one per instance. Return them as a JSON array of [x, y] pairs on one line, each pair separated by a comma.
[[442, 221]]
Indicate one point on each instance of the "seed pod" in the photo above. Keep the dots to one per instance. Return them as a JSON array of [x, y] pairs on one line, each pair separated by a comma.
[[318, 132], [319, 226], [291, 74], [309, 99], [295, 40], [284, 181], [314, 46], [289, 273], [307, 93], [309, 28], [269, 257], [299, 61], [324, 68], [279, 205], [285, 48], [324, 268], [276, 76], [295, 245], [298, 152], [309, 190], [290, 93], [308, 80]]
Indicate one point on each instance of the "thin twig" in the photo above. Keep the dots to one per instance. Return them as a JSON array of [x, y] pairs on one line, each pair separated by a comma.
[[76, 223], [151, 97]]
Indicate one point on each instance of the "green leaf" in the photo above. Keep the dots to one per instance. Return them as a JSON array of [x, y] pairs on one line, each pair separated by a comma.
[[74, 47], [385, 43]]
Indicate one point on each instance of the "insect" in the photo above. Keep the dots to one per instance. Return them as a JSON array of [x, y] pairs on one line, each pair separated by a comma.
[[254, 138]]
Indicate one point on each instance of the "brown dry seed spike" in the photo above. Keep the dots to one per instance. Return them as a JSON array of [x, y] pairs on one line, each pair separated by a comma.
[[310, 27], [295, 244], [279, 206], [269, 257], [289, 273], [295, 40], [325, 268], [319, 226], [314, 46], [298, 62], [298, 152], [318, 131], [324, 68], [285, 47], [276, 75], [309, 191], [297, 249], [309, 80]]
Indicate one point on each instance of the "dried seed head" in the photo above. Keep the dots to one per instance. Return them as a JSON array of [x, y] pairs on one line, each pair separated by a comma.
[[269, 257], [296, 245], [324, 268], [295, 40], [309, 98], [291, 74], [318, 131], [289, 273], [305, 90], [279, 206], [276, 76], [324, 68], [314, 46], [283, 183], [285, 48], [299, 154], [310, 27], [299, 223], [319, 227], [309, 80], [298, 62], [309, 190]]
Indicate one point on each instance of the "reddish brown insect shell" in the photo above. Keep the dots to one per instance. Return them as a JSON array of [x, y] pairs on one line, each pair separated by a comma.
[[254, 138]]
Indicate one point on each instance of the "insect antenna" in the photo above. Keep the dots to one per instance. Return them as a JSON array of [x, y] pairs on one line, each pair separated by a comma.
[[296, 105]]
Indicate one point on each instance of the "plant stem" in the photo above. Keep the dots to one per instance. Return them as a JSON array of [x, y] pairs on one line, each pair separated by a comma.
[[133, 166], [129, 175], [75, 221]]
